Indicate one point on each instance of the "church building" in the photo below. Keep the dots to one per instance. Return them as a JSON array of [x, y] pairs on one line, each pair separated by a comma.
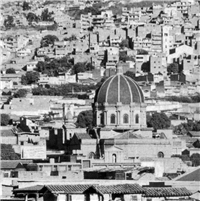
[[121, 133]]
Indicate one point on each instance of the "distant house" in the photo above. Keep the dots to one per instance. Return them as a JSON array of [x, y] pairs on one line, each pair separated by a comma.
[[30, 66], [10, 167], [76, 192], [83, 144]]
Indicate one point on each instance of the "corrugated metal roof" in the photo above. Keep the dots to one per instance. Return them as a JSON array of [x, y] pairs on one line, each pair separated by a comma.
[[166, 192]]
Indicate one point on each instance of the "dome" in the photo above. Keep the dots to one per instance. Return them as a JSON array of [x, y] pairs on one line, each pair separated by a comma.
[[119, 88]]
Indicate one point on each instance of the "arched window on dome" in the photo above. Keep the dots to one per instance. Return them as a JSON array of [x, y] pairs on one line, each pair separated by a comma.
[[125, 118], [112, 119], [137, 119]]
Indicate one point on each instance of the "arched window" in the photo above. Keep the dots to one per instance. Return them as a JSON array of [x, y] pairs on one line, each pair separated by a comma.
[[112, 119], [136, 118], [114, 158], [91, 155], [160, 154], [125, 119]]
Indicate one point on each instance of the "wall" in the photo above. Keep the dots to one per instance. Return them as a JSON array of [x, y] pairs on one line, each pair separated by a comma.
[[145, 147], [8, 140]]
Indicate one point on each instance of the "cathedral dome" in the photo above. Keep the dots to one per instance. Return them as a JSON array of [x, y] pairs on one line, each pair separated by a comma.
[[119, 88]]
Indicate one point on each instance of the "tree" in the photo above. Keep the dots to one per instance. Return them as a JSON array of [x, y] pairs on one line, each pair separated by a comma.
[[54, 67], [30, 78], [89, 67], [9, 22], [26, 6], [20, 93], [81, 67], [196, 144], [46, 15], [5, 119], [130, 74], [173, 68], [103, 79], [10, 71], [48, 40], [145, 67], [158, 121], [180, 130], [40, 66], [124, 57], [195, 158], [32, 17], [85, 119], [71, 38], [142, 52], [124, 44]]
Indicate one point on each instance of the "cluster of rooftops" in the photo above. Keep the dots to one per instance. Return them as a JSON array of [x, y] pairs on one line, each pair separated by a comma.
[[159, 190]]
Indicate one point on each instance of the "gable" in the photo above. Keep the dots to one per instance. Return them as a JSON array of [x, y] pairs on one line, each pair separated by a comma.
[[114, 149]]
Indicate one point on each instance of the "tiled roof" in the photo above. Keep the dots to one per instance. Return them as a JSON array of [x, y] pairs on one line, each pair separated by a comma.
[[81, 188], [7, 133], [195, 133], [166, 192], [12, 164], [121, 188], [128, 135], [83, 136], [192, 176], [72, 189], [29, 189]]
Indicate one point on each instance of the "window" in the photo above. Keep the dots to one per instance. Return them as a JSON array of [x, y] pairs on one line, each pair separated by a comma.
[[160, 154], [125, 118], [5, 174], [112, 119], [114, 158], [136, 118], [101, 119]]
